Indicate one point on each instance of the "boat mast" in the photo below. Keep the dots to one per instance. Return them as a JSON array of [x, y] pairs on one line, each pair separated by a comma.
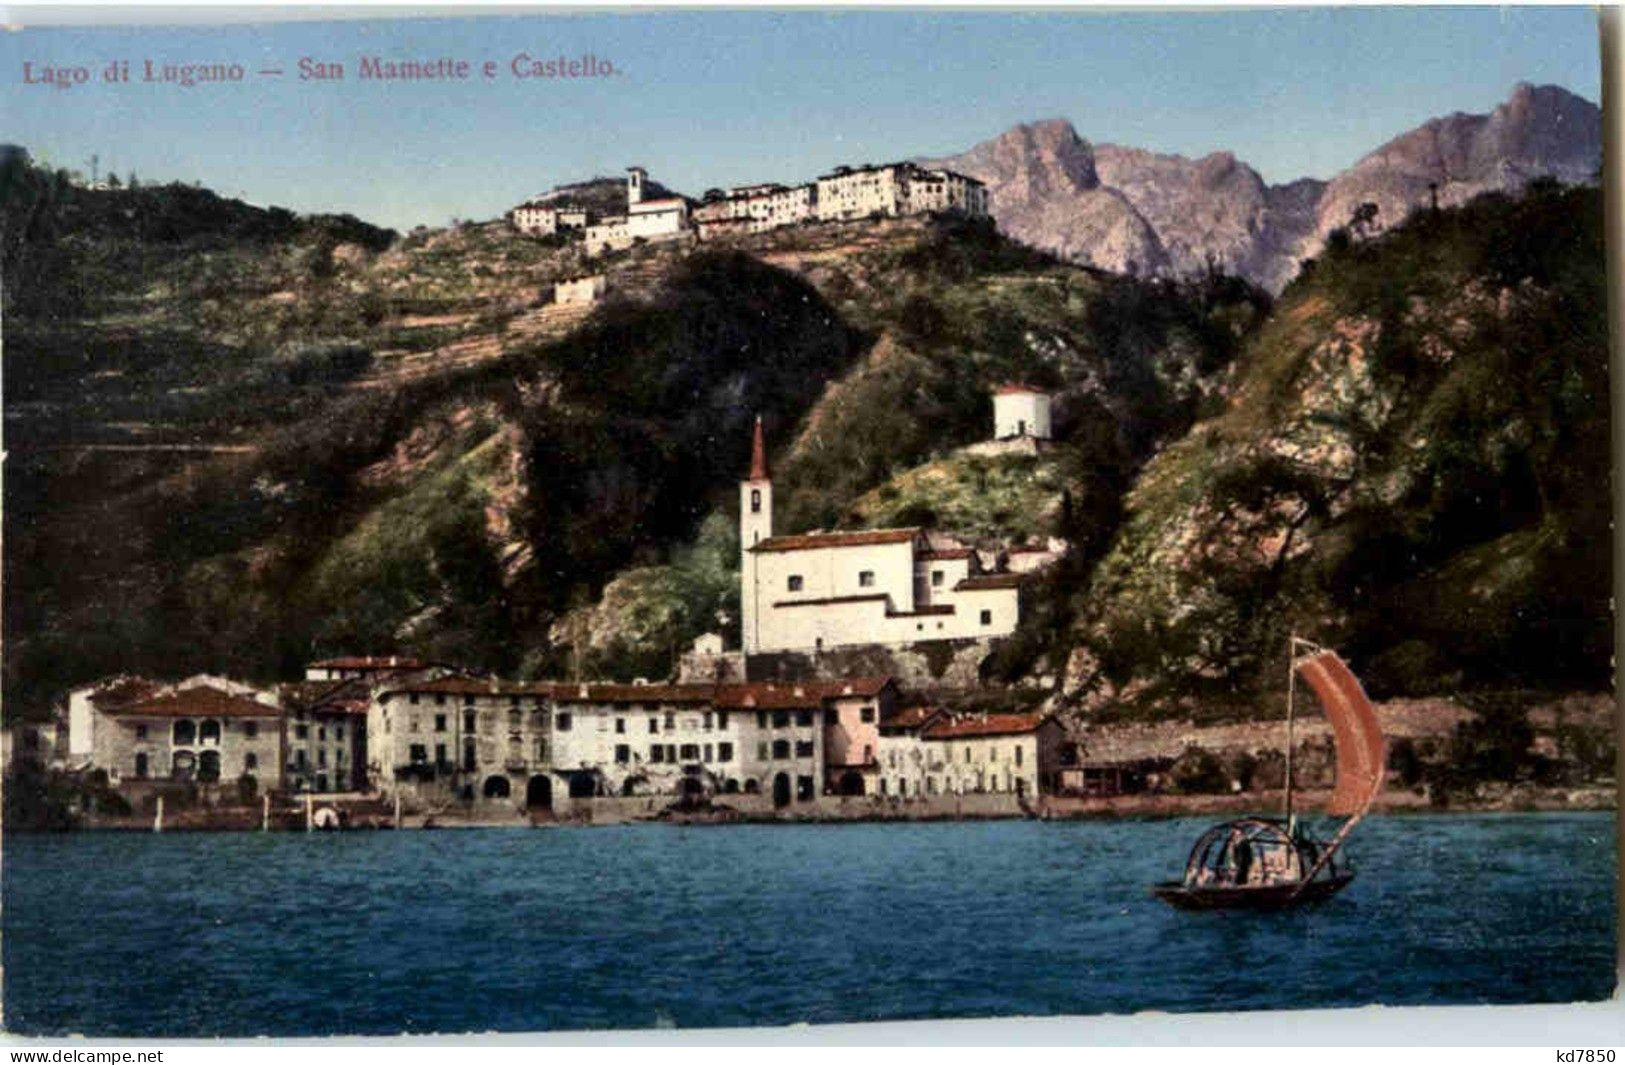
[[1291, 686]]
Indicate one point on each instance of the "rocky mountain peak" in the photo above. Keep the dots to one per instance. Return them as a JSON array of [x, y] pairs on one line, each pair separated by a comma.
[[1126, 208]]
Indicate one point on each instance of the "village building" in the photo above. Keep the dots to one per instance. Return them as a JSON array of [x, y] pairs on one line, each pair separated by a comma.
[[902, 768], [188, 733], [458, 738], [756, 209], [88, 706], [542, 218], [819, 591], [852, 741], [853, 192], [991, 753], [587, 289], [326, 741]]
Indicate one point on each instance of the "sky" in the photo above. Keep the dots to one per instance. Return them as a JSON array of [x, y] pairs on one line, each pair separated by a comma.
[[713, 98]]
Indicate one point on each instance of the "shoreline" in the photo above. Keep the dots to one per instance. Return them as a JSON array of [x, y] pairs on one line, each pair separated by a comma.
[[1125, 807]]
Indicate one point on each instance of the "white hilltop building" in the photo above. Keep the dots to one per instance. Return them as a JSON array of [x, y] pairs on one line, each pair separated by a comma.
[[820, 591], [1021, 411]]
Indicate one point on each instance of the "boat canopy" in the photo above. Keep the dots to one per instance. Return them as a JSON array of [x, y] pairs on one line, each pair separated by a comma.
[[1361, 751]]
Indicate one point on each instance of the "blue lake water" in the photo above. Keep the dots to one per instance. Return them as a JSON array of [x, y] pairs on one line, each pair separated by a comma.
[[525, 930]]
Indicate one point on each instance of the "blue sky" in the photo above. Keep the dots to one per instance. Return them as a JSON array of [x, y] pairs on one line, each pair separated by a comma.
[[727, 97]]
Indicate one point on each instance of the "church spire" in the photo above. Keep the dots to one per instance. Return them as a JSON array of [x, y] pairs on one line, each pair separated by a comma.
[[758, 454]]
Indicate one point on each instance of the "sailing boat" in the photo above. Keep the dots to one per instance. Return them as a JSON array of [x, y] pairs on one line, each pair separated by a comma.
[[1269, 864]]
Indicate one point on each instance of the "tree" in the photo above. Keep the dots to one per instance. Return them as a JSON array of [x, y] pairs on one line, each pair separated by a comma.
[[1363, 221]]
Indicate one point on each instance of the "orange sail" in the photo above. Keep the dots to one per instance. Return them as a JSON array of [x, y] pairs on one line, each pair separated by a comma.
[[1361, 752]]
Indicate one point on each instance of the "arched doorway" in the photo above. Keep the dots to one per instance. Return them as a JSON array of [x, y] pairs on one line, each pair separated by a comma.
[[730, 786], [208, 765], [539, 792], [141, 765], [496, 788], [583, 785], [691, 787], [753, 786], [851, 783], [781, 790]]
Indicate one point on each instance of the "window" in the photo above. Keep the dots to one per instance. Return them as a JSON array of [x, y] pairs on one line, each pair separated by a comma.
[[562, 722], [781, 748], [251, 729], [1018, 756], [795, 582], [804, 748], [706, 757], [300, 732], [420, 755], [657, 754], [706, 721], [804, 788], [620, 726], [321, 733], [623, 754], [338, 731], [141, 765], [755, 500], [468, 721], [987, 617], [902, 787], [440, 754], [722, 719], [321, 756], [671, 721], [411, 726], [781, 719], [803, 718], [725, 752], [761, 751], [866, 578], [882, 785], [468, 700], [654, 726], [967, 755], [141, 732], [440, 699], [541, 750], [671, 752], [250, 761], [761, 719], [516, 720], [413, 698], [690, 752], [867, 715]]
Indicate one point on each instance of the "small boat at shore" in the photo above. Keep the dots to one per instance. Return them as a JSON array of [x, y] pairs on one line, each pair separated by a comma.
[[1259, 863]]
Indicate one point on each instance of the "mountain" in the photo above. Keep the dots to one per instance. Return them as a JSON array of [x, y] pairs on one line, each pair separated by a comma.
[[1136, 211]]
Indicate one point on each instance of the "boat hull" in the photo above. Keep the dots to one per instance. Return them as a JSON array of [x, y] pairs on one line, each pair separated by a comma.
[[1258, 897]]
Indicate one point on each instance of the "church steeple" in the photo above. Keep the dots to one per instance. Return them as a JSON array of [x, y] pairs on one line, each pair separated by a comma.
[[758, 454]]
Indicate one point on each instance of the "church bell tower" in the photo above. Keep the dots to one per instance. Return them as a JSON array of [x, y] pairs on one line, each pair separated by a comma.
[[755, 525]]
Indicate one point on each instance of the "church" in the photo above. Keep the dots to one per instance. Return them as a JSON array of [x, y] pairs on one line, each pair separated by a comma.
[[823, 590]]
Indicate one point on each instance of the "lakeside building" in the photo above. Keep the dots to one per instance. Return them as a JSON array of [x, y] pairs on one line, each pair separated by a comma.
[[326, 734], [823, 590], [197, 731]]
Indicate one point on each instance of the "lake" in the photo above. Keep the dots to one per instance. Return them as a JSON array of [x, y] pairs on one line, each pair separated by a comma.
[[215, 934]]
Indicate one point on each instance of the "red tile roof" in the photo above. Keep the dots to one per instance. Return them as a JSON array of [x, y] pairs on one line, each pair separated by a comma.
[[910, 717], [371, 662], [948, 554], [990, 580], [1019, 390], [862, 538], [202, 701], [985, 725], [125, 690], [792, 695]]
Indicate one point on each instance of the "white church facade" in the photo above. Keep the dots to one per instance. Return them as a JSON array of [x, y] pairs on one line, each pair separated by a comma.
[[820, 591]]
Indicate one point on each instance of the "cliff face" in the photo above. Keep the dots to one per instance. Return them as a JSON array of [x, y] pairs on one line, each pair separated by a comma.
[[1130, 210], [1410, 467]]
